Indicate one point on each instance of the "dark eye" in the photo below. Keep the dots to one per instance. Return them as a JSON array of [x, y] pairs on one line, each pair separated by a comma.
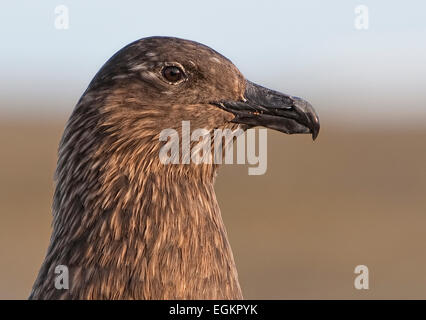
[[173, 74]]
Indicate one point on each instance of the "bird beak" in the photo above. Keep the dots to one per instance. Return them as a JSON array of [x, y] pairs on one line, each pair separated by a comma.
[[274, 110]]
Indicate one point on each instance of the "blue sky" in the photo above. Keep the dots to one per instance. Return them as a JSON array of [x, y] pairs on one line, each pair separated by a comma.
[[306, 48]]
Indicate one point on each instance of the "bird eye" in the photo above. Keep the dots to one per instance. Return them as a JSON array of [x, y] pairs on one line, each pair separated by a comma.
[[173, 74]]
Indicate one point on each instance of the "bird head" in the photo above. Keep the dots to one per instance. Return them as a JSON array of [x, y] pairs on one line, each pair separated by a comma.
[[164, 80]]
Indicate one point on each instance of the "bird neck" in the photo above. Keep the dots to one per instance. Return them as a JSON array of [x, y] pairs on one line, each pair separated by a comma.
[[128, 228]]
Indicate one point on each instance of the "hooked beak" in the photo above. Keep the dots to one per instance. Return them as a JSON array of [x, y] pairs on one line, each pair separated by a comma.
[[274, 110]]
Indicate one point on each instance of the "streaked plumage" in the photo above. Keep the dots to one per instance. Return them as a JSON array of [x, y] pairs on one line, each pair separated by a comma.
[[126, 225]]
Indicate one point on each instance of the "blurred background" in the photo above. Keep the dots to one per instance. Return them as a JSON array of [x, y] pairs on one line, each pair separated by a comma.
[[357, 196]]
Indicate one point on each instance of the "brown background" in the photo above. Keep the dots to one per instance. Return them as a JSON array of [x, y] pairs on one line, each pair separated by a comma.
[[355, 196]]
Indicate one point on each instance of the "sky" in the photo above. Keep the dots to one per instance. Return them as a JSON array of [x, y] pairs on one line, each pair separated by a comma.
[[306, 48]]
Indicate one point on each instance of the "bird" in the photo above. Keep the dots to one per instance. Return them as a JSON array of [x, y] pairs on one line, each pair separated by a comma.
[[127, 226]]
